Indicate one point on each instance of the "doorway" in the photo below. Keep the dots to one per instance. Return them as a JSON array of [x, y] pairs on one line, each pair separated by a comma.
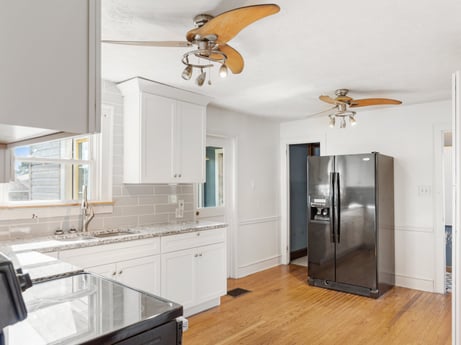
[[298, 154]]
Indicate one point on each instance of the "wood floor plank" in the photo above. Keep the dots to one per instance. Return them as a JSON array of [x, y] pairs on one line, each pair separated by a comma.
[[282, 309]]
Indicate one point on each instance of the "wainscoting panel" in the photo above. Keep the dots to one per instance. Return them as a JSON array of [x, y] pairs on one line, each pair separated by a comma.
[[259, 245]]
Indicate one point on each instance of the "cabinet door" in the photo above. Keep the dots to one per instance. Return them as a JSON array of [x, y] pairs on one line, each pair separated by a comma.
[[190, 142], [142, 274], [178, 277], [156, 139], [211, 272], [50, 64]]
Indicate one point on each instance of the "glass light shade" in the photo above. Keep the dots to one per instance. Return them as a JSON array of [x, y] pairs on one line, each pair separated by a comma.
[[187, 73], [352, 120], [332, 121], [223, 71], [201, 78], [343, 123]]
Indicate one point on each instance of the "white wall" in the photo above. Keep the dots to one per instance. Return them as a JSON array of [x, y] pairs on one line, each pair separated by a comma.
[[256, 227], [407, 133]]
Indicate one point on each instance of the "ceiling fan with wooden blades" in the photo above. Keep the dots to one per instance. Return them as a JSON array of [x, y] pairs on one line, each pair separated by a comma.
[[342, 102], [210, 37]]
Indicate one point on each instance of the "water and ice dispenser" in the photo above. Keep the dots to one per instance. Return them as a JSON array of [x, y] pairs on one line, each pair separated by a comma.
[[319, 209]]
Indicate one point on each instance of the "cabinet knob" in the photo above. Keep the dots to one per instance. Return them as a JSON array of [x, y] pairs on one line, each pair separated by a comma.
[[200, 254], [179, 175], [120, 272], [175, 175], [114, 273], [198, 233], [195, 255]]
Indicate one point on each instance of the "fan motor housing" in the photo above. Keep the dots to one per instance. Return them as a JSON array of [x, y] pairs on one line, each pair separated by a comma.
[[202, 19]]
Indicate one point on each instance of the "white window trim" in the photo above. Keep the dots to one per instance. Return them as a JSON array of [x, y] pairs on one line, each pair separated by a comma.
[[101, 191]]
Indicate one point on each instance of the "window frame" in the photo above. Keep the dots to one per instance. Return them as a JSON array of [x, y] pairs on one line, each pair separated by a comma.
[[100, 163]]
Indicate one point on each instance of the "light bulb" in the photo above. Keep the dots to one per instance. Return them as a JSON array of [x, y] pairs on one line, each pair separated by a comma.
[[187, 73], [352, 120], [201, 78], [223, 71], [332, 121]]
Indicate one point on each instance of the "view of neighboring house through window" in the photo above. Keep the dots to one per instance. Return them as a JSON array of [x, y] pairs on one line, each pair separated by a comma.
[[53, 170]]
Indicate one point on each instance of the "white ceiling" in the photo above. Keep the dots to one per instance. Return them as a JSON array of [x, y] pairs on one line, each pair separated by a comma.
[[397, 49]]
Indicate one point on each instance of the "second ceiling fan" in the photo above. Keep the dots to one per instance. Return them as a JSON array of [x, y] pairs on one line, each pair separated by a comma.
[[342, 102], [210, 37]]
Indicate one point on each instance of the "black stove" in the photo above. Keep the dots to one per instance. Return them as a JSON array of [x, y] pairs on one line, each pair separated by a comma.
[[89, 309]]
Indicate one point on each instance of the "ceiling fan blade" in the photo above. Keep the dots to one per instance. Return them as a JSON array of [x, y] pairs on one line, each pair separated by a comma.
[[151, 43], [372, 101], [321, 112], [230, 23], [327, 99], [234, 59]]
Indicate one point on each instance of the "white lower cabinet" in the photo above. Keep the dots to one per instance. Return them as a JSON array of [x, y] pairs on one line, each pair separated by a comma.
[[130, 263], [143, 273], [195, 277], [179, 277], [188, 268]]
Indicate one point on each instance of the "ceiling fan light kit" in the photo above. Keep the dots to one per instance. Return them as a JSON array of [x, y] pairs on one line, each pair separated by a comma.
[[342, 102], [210, 37]]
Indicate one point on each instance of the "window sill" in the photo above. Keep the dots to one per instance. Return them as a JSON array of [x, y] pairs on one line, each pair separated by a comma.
[[37, 211]]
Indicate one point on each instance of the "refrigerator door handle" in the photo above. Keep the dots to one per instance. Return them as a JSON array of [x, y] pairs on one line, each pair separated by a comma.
[[332, 207], [337, 208]]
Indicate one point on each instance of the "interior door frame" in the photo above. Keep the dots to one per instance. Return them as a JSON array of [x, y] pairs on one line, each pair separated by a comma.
[[285, 189], [438, 205]]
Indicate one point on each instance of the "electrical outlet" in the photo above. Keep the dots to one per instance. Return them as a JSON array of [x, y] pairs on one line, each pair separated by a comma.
[[180, 209], [424, 191]]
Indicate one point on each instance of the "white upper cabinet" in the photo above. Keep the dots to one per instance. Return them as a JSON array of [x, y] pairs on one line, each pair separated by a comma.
[[50, 65], [164, 133]]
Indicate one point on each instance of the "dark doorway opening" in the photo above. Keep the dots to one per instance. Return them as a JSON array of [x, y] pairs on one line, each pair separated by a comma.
[[298, 154]]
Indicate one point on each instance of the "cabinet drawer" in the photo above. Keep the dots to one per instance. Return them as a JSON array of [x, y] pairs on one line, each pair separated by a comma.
[[110, 253], [192, 239]]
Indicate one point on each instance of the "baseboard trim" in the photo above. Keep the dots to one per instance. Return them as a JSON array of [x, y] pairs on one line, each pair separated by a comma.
[[258, 266], [298, 254], [414, 283], [202, 307]]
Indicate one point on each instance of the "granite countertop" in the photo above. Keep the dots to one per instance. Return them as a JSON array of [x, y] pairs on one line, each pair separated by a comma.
[[28, 253], [55, 243]]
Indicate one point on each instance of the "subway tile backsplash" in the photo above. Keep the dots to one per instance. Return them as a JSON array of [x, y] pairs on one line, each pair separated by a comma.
[[134, 205]]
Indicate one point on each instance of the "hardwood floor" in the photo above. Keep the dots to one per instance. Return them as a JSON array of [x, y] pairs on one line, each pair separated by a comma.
[[283, 309]]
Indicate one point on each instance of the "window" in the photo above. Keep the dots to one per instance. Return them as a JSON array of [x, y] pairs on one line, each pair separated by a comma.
[[54, 170], [211, 193]]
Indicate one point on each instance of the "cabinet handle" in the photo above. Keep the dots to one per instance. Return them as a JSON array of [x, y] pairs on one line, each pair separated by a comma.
[[120, 272]]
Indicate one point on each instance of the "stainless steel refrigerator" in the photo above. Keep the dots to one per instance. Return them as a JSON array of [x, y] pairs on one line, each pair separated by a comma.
[[351, 223]]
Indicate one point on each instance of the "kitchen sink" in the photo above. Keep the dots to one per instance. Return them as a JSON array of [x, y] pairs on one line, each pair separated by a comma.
[[71, 238], [114, 233]]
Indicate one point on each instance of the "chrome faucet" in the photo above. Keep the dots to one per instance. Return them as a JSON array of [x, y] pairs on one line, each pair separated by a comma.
[[87, 212]]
